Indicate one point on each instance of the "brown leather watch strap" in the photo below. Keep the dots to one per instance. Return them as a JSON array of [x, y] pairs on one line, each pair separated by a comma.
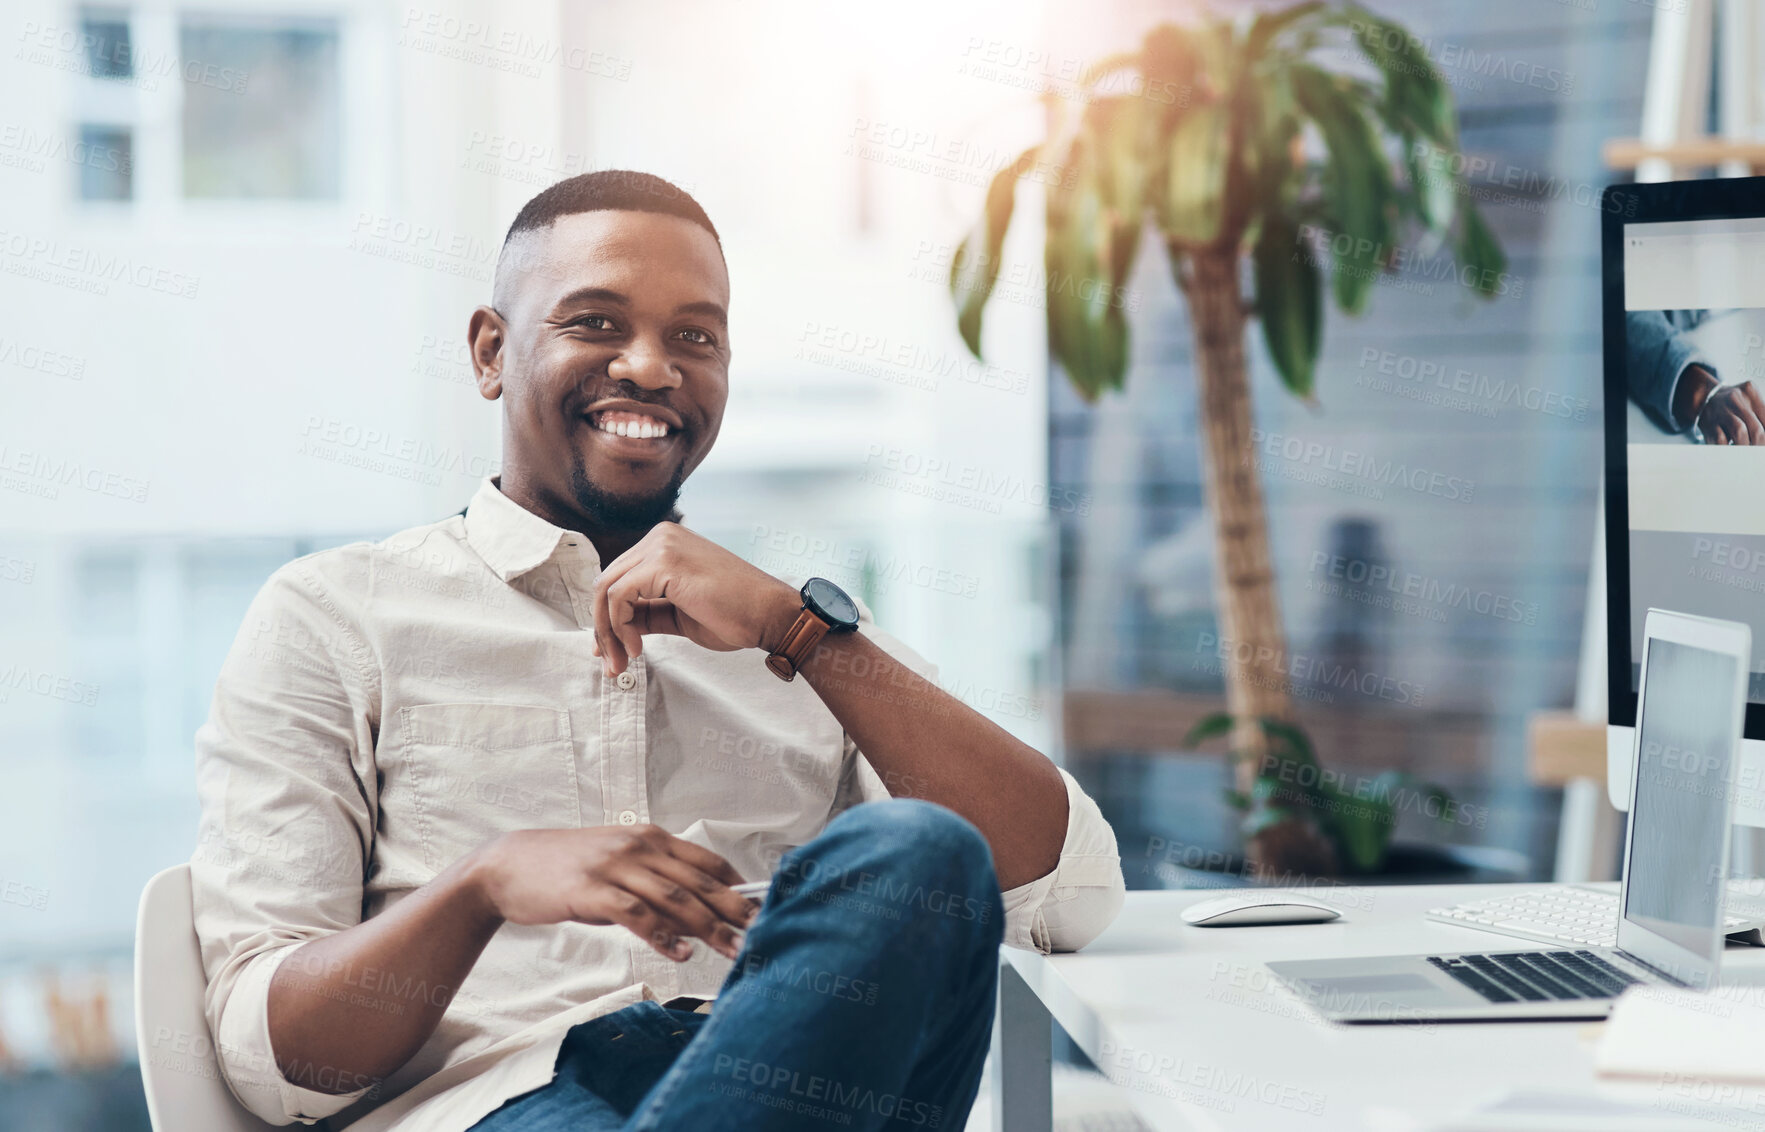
[[802, 636]]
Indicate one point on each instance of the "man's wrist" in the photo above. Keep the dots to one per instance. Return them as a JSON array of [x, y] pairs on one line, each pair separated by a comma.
[[1696, 386], [784, 604], [473, 885]]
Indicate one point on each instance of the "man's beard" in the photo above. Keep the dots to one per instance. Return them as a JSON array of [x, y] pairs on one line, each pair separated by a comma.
[[610, 512]]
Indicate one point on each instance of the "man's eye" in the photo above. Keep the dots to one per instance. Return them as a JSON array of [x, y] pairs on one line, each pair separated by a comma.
[[593, 322], [696, 336]]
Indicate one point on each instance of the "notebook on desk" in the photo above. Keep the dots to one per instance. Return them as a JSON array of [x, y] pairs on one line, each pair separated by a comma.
[[1666, 1034], [1538, 1111]]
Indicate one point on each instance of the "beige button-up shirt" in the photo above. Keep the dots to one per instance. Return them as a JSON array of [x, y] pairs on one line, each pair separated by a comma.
[[389, 707]]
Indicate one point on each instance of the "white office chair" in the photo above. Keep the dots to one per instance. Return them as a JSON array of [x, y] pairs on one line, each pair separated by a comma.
[[179, 1069]]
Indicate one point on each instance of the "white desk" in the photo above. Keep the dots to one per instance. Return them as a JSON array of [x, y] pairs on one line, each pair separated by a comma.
[[1191, 1023]]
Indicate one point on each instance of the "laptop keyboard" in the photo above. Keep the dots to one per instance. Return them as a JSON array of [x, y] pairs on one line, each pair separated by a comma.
[[1536, 976]]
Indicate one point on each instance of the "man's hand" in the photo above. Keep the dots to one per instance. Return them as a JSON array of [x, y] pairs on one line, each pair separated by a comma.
[[675, 581], [662, 888], [1733, 414]]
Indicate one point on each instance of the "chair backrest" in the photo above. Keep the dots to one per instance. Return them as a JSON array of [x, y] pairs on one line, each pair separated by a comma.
[[179, 1069]]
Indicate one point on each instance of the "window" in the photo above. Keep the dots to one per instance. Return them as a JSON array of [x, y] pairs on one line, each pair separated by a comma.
[[262, 110], [104, 153], [110, 52], [106, 160], [236, 106]]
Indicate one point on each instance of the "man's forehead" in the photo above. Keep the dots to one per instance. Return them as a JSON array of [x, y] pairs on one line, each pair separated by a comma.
[[612, 247]]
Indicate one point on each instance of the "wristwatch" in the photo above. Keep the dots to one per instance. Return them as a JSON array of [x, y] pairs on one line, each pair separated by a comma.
[[826, 609]]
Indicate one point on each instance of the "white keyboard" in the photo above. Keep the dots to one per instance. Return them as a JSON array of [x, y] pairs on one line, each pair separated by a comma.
[[1572, 915]]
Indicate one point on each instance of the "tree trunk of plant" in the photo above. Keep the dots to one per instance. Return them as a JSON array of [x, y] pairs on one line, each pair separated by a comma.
[[1252, 644]]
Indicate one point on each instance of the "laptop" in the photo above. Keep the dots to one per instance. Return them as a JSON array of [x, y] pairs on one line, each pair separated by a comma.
[[1670, 916]]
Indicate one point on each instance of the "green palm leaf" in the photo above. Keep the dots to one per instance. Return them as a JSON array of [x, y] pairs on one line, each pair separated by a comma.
[[1357, 183], [1435, 191], [1290, 302], [1417, 99], [1479, 254], [975, 268], [1087, 329], [1210, 726], [1272, 117], [1268, 26], [1194, 194]]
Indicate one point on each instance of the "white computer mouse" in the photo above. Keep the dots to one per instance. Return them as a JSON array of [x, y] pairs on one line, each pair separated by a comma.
[[1244, 909]]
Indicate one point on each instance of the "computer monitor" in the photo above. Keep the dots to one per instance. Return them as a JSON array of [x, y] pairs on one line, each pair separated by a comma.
[[1683, 320]]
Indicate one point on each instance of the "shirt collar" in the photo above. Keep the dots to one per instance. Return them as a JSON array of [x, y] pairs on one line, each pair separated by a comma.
[[510, 538]]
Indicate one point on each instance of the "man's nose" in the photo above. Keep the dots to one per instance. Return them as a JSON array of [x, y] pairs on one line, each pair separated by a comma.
[[645, 364]]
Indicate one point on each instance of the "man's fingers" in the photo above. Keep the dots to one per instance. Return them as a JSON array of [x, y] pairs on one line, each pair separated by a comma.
[[682, 905], [617, 905], [613, 658], [658, 615], [704, 860], [725, 903], [1754, 398], [622, 598], [1749, 416]]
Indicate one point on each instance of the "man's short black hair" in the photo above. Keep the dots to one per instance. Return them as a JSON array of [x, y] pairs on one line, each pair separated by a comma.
[[610, 188]]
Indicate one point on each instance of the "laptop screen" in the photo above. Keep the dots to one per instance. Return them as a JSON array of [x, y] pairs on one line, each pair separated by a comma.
[[1673, 882]]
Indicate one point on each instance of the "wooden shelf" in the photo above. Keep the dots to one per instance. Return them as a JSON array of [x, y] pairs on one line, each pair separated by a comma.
[[1441, 743], [1628, 153], [1562, 747]]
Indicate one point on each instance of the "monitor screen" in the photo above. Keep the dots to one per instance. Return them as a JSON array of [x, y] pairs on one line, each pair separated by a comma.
[[1673, 884], [1694, 365]]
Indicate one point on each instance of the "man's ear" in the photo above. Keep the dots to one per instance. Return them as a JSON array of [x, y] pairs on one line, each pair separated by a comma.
[[485, 335]]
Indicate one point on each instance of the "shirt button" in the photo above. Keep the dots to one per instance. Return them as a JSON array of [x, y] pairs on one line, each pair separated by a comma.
[[627, 681], [627, 817]]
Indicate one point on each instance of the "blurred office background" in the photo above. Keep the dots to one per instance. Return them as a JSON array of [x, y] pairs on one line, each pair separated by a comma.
[[242, 239]]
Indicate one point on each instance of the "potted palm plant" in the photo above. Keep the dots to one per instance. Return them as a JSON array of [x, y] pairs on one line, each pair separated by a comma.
[[1312, 142]]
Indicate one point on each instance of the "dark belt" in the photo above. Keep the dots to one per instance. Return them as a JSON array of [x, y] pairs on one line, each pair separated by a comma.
[[689, 1003]]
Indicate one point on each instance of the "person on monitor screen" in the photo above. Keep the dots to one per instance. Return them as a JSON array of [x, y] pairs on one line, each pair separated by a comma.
[[475, 798], [1678, 387]]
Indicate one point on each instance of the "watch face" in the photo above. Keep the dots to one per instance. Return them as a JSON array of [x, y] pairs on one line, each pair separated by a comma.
[[830, 603]]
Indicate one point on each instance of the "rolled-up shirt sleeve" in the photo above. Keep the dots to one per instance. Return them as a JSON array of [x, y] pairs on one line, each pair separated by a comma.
[[283, 771], [1657, 354], [1061, 911], [1071, 906]]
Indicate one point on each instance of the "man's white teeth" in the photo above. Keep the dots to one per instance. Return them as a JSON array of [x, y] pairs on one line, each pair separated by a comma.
[[641, 429]]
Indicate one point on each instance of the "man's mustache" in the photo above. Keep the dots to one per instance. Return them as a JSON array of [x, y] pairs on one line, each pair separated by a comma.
[[623, 390]]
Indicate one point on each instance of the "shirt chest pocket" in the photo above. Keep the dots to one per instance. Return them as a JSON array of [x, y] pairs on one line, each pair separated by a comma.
[[463, 774]]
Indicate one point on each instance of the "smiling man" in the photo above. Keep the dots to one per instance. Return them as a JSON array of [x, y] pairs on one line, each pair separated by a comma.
[[476, 798]]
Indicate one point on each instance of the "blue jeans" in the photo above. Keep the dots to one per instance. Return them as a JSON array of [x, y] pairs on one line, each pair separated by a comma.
[[862, 999]]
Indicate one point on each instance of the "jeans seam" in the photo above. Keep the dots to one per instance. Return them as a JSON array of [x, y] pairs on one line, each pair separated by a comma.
[[669, 1084]]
